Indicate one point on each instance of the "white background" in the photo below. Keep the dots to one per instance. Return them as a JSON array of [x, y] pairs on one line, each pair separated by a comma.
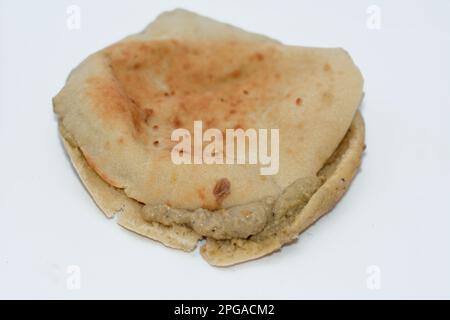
[[396, 215]]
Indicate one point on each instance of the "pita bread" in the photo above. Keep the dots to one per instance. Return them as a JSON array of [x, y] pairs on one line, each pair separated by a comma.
[[118, 108]]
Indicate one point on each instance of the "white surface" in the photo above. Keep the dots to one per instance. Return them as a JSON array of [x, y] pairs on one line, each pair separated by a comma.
[[395, 216]]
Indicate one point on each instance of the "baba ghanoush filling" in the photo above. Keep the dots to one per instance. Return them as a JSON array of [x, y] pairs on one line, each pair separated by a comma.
[[241, 221]]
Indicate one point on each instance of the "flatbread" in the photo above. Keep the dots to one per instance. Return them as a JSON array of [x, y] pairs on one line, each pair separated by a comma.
[[119, 106]]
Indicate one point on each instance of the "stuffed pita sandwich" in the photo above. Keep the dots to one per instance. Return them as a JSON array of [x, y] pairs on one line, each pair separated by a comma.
[[119, 107]]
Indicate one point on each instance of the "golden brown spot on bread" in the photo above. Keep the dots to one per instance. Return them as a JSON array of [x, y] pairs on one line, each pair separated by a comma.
[[177, 122], [298, 101], [110, 99], [120, 141], [186, 66], [326, 67], [259, 56], [235, 74], [221, 190], [209, 123]]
